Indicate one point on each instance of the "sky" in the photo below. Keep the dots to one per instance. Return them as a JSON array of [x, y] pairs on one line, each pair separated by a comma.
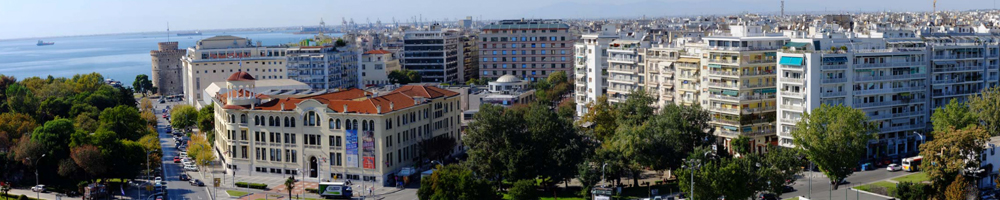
[[45, 18]]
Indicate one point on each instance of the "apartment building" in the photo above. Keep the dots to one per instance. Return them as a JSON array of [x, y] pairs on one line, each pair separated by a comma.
[[376, 66], [591, 68], [660, 74], [529, 49], [324, 67], [166, 76], [626, 69], [961, 66], [350, 134], [886, 79], [435, 53], [738, 71], [214, 59], [470, 55], [688, 87]]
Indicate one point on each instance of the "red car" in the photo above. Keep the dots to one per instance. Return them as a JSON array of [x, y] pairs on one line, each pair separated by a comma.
[[177, 159]]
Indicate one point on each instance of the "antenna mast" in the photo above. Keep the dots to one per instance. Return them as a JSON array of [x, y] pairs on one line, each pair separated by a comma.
[[168, 31], [782, 7]]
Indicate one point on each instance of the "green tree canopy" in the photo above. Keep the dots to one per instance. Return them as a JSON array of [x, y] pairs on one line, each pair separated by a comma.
[[454, 182], [947, 155], [741, 145], [20, 99], [183, 116], [55, 137], [142, 84], [404, 77], [986, 106], [954, 115], [835, 138], [600, 117], [523, 190], [124, 121], [13, 126], [206, 118]]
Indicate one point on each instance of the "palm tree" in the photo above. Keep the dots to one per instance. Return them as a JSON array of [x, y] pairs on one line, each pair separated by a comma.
[[290, 184]]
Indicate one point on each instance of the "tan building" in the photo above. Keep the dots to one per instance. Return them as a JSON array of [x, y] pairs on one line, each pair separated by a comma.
[[351, 134], [214, 59], [527, 49], [375, 67], [166, 76]]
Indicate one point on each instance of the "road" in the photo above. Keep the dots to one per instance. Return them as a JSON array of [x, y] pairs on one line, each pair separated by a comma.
[[176, 189], [821, 184]]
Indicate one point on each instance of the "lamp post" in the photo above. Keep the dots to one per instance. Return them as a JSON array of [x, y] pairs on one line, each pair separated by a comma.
[[138, 188], [37, 181], [693, 165], [602, 175]]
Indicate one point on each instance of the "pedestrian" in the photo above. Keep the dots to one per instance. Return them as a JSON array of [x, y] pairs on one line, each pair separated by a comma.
[[371, 190]]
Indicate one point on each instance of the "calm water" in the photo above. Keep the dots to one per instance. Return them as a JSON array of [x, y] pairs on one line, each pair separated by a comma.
[[119, 57]]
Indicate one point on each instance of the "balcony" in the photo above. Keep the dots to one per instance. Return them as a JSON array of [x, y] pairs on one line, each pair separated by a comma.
[[890, 90], [957, 80], [757, 97], [758, 109], [753, 86], [722, 48], [728, 133], [938, 94], [762, 61], [834, 67], [622, 59], [963, 56], [834, 80], [959, 68], [725, 121], [792, 107], [918, 125], [792, 67], [860, 104], [623, 48], [724, 73], [724, 109], [792, 94], [888, 78], [312, 146], [833, 94], [723, 61], [724, 97], [789, 120], [759, 73], [798, 80], [630, 70], [724, 85], [889, 64]]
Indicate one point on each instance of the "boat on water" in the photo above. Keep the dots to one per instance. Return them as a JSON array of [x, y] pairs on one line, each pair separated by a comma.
[[189, 33], [43, 43]]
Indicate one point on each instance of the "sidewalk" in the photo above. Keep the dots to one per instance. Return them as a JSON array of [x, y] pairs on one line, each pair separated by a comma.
[[276, 186]]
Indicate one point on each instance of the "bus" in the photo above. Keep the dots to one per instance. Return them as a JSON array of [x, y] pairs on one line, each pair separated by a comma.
[[335, 190], [912, 164]]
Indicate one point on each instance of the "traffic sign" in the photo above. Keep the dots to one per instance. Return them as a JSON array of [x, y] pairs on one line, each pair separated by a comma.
[[216, 182]]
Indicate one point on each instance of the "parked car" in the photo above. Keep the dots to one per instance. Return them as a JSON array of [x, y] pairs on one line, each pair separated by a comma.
[[38, 188], [787, 189], [767, 196], [158, 180], [190, 168], [184, 177], [196, 182], [894, 167], [177, 159]]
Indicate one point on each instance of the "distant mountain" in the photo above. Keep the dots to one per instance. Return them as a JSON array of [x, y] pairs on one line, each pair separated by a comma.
[[660, 8]]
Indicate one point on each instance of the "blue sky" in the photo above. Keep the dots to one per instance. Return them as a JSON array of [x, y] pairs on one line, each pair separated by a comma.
[[41, 18]]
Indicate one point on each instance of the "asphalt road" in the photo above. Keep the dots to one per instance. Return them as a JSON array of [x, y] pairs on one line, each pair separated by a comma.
[[176, 189], [821, 185]]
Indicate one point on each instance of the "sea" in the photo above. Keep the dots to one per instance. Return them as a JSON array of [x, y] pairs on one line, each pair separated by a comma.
[[120, 57]]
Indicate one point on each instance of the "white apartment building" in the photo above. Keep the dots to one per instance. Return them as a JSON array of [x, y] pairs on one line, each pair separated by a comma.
[[886, 79], [961, 66], [350, 134], [660, 74], [591, 67], [738, 81], [626, 69], [214, 59], [436, 54], [375, 67], [324, 67]]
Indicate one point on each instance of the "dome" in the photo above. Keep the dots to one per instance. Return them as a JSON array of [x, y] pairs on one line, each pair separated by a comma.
[[508, 79], [240, 76]]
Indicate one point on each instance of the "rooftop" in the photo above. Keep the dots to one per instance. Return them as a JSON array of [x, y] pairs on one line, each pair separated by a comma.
[[526, 26]]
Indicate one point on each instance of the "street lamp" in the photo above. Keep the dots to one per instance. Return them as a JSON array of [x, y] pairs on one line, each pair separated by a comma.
[[602, 175], [37, 181], [693, 165]]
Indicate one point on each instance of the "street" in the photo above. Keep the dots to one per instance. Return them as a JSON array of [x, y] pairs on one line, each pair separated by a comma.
[[176, 189], [821, 185]]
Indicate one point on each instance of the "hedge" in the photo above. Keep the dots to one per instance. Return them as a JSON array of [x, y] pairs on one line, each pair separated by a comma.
[[252, 185], [312, 190]]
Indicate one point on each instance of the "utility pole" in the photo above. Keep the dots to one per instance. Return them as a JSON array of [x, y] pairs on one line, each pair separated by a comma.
[[782, 8]]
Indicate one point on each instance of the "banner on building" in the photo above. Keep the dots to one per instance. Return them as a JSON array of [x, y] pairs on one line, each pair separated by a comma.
[[351, 158], [368, 149]]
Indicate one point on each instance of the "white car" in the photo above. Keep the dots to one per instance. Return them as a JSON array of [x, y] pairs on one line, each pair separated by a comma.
[[190, 168], [894, 167], [157, 180], [38, 188]]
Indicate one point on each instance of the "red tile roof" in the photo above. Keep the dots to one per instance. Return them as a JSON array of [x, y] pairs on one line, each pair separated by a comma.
[[429, 92], [377, 52], [358, 101], [240, 76]]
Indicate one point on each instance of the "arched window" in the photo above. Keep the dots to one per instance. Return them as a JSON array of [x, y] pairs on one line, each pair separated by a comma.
[[270, 121], [243, 118], [256, 120], [338, 123], [348, 124], [277, 121], [364, 126], [293, 122], [312, 118], [286, 121], [371, 125], [355, 123], [331, 124]]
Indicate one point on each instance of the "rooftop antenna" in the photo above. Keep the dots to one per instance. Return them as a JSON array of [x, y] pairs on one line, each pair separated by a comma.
[[935, 5], [168, 31], [782, 7]]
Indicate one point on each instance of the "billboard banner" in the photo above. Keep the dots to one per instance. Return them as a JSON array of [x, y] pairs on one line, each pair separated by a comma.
[[330, 190], [368, 149], [351, 158]]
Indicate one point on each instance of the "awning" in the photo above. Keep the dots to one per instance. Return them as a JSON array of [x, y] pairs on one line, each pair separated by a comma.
[[730, 92], [794, 61], [714, 90], [689, 60], [834, 59], [668, 63], [770, 53], [714, 65], [796, 44], [685, 82], [748, 129], [731, 128], [769, 90]]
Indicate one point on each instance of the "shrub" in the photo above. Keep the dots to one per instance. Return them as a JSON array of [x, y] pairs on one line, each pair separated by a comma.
[[252, 185], [22, 197], [312, 190], [909, 190], [523, 190]]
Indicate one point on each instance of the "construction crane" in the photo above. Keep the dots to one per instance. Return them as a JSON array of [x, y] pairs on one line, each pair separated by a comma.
[[935, 5]]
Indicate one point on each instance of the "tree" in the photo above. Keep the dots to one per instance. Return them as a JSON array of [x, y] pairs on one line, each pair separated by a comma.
[[21, 100], [636, 109], [67, 168], [601, 118], [200, 150], [677, 131], [13, 126], [206, 119], [455, 182], [958, 189], [954, 114], [28, 148], [341, 42], [84, 122], [567, 109], [556, 78], [54, 107], [55, 137], [5, 81], [589, 174], [986, 106], [741, 145], [523, 190], [404, 77], [125, 121], [183, 116], [948, 154], [89, 158], [87, 82], [835, 138], [142, 84], [290, 185], [779, 167], [438, 147], [718, 176], [912, 191]]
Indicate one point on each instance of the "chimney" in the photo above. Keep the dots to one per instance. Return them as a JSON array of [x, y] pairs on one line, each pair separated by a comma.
[[391, 105], [345, 108], [282, 106], [378, 109]]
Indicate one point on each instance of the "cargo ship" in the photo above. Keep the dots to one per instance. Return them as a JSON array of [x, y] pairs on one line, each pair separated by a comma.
[[189, 33], [42, 43]]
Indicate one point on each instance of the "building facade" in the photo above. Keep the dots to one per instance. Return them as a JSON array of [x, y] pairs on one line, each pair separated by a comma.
[[166, 76], [324, 67], [436, 54], [590, 69], [375, 67], [529, 49], [350, 134], [214, 59]]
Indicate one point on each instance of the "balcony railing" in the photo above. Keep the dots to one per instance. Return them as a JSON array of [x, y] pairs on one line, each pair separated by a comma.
[[792, 107], [890, 90], [833, 94], [962, 68], [758, 109], [724, 61], [972, 56], [834, 80], [791, 94], [918, 125], [886, 78], [623, 59], [859, 104], [889, 64], [950, 93], [758, 85], [958, 80], [757, 97], [762, 61], [793, 79], [834, 67], [724, 109], [724, 97], [733, 86], [724, 73]]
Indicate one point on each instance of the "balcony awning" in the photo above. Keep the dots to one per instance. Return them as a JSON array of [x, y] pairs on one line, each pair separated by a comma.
[[794, 61], [714, 66], [769, 90], [689, 60], [798, 45], [770, 53], [713, 90], [834, 59], [731, 128], [730, 92]]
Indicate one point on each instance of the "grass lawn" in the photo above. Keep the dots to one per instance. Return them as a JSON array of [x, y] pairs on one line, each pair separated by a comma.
[[915, 178], [236, 193], [12, 196], [890, 187], [573, 193], [793, 198]]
